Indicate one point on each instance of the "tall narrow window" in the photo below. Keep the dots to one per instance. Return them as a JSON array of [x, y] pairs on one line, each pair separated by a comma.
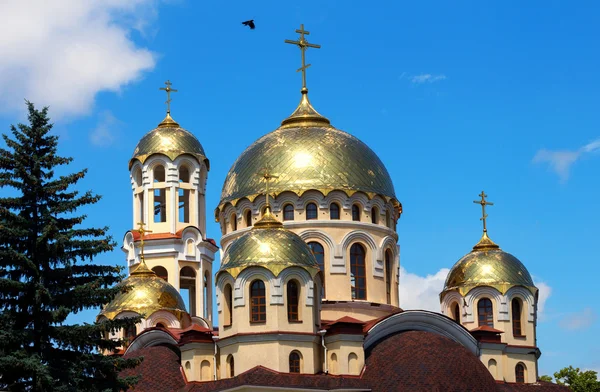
[[228, 305], [355, 212], [311, 211], [233, 221], [456, 313], [294, 362], [388, 276], [187, 286], [292, 301], [258, 303], [358, 278], [129, 334], [374, 215], [248, 218], [231, 366], [160, 200], [141, 206], [516, 317], [319, 253], [520, 373], [184, 205], [161, 272], [288, 212], [388, 219], [485, 312], [334, 211], [206, 293]]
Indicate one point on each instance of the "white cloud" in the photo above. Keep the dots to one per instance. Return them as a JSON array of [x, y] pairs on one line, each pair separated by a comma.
[[579, 320], [561, 161], [544, 293], [61, 53], [417, 292], [106, 131], [426, 78]]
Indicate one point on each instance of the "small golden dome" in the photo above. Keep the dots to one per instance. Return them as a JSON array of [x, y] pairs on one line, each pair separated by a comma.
[[148, 293], [271, 246], [168, 139], [306, 152], [488, 265]]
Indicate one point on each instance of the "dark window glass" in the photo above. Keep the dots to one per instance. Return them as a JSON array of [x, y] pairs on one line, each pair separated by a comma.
[[229, 300], [516, 317], [231, 367], [294, 362], [311, 211], [457, 313], [258, 303], [355, 213], [485, 312], [334, 211], [358, 278], [248, 217], [233, 222], [388, 276], [520, 373], [319, 253], [374, 215], [292, 300], [288, 212]]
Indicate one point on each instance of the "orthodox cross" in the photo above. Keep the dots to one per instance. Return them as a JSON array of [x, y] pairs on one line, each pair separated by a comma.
[[268, 177], [142, 232], [169, 90], [303, 44], [483, 203]]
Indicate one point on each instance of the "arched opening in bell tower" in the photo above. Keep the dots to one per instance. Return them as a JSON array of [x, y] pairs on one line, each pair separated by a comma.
[[187, 288]]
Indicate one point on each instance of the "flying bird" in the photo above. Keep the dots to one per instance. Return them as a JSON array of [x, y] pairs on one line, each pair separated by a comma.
[[249, 23]]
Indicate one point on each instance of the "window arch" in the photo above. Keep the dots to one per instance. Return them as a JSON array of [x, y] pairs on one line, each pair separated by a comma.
[[319, 253], [374, 215], [334, 211], [184, 174], [295, 360], [456, 313], [353, 364], [388, 219], [230, 366], [288, 212], [293, 294], [184, 195], [355, 212], [520, 373], [207, 295], [129, 333], [160, 200], [248, 218], [228, 316], [333, 365], [258, 302], [160, 325], [516, 317], [388, 276], [485, 312], [161, 272], [159, 173], [312, 211], [493, 367], [205, 371], [187, 285], [358, 277], [137, 176], [233, 221]]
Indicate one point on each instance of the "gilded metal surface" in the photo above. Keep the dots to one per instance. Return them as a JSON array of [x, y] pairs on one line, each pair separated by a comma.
[[168, 90], [483, 203], [168, 139], [271, 247], [304, 158], [488, 265], [148, 294], [303, 45]]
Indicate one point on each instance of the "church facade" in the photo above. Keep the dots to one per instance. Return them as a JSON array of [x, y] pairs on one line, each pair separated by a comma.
[[307, 287]]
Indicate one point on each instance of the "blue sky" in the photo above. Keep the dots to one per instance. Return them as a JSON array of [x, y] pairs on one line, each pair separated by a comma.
[[454, 97]]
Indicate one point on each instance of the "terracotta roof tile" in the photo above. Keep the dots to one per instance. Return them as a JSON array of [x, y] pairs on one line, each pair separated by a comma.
[[160, 371]]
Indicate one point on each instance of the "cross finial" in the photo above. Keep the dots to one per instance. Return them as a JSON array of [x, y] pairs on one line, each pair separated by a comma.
[[266, 174], [168, 90], [483, 203], [303, 44], [142, 232]]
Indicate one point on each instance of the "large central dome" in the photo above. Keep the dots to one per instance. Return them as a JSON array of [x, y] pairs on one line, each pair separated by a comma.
[[307, 155]]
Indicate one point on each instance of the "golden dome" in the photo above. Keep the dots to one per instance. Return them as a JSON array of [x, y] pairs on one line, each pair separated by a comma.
[[306, 152], [168, 139], [488, 265], [271, 246], [148, 293]]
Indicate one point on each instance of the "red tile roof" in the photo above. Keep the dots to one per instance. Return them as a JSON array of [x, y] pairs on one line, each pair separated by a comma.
[[486, 328], [160, 371], [539, 386]]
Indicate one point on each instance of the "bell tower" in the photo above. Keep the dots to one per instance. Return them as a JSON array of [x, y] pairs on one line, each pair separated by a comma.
[[168, 174]]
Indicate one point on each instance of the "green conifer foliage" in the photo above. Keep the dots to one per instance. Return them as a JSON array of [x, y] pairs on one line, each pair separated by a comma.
[[47, 272]]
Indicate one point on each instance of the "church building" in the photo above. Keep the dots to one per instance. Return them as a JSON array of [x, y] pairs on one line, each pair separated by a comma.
[[307, 287]]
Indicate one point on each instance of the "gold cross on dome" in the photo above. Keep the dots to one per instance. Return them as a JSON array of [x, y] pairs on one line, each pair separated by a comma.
[[142, 232], [483, 203], [168, 90], [303, 44], [266, 174]]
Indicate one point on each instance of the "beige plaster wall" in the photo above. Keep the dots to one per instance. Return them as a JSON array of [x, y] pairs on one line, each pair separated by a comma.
[[195, 356], [342, 349]]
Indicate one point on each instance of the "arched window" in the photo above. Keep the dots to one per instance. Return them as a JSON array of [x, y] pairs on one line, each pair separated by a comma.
[[388, 276], [493, 367], [294, 362], [129, 334], [516, 317], [485, 312], [187, 285], [233, 221], [288, 212], [207, 294], [184, 199], [311, 211], [159, 173], [334, 211], [161, 272], [292, 300], [374, 215], [319, 253], [160, 325], [355, 212], [248, 218], [456, 313], [228, 316], [184, 174], [230, 366], [520, 373], [388, 219], [160, 201], [205, 371], [258, 302], [358, 277], [137, 177], [333, 365], [353, 364]]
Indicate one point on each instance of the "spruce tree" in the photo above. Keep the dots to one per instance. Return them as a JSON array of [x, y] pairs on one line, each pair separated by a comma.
[[47, 272]]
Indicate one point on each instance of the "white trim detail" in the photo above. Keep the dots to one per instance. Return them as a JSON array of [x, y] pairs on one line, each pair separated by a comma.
[[477, 293], [367, 240], [336, 261]]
